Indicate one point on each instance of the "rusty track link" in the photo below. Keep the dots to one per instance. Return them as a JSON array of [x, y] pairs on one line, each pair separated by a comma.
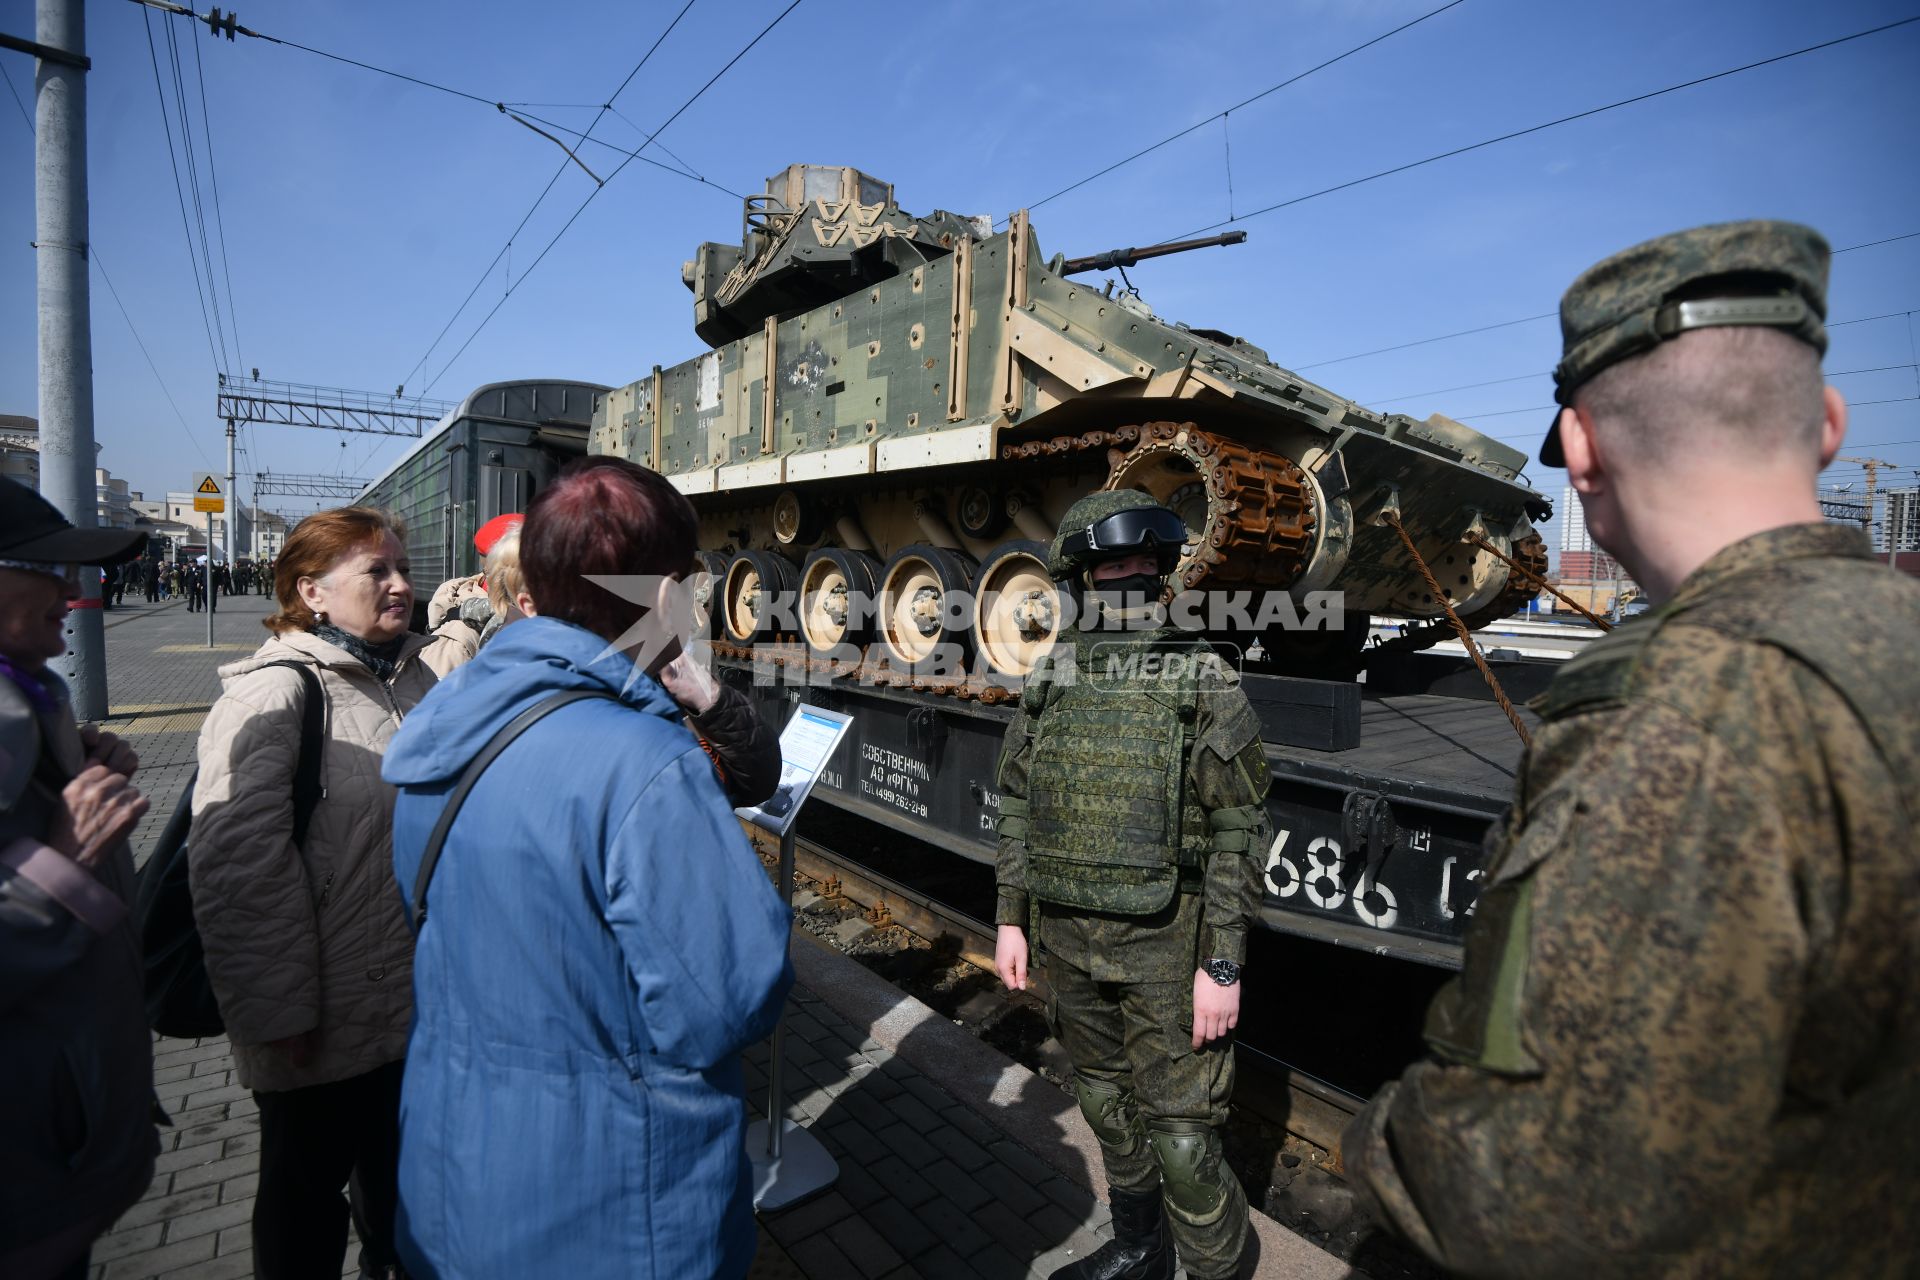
[[1305, 1106], [1259, 528]]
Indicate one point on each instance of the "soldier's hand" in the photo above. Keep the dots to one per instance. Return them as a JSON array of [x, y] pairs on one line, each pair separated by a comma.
[[1010, 956], [1216, 1009]]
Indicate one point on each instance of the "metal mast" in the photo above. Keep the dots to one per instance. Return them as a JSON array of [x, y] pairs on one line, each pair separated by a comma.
[[66, 342]]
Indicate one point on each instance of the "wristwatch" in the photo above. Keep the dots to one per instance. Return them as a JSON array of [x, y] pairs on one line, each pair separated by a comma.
[[1224, 972]]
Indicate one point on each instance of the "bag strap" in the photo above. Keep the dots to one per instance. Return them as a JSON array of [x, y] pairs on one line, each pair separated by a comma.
[[458, 796], [308, 789]]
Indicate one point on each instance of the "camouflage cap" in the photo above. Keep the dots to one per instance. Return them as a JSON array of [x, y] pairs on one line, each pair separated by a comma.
[[1729, 273], [1084, 514]]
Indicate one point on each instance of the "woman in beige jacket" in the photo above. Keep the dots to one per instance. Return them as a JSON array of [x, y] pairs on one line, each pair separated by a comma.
[[307, 945]]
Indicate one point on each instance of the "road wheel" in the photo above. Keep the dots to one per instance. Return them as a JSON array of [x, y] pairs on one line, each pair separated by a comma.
[[710, 570], [1017, 609], [837, 600], [926, 605], [757, 585]]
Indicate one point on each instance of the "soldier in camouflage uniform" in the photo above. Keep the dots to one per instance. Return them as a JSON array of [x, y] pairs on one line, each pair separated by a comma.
[[1686, 1041], [1132, 785]]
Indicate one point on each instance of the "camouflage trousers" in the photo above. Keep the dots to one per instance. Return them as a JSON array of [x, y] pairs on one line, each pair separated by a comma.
[[1122, 1007]]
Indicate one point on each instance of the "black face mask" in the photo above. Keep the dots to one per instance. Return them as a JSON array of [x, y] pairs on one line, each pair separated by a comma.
[[1134, 589], [1127, 603]]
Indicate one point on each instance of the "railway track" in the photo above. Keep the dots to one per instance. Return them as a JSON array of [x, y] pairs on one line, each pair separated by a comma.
[[1305, 1106]]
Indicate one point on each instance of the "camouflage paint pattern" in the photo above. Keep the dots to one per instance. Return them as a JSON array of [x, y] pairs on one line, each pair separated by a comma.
[[1122, 1007], [1123, 984], [1686, 1041], [861, 353]]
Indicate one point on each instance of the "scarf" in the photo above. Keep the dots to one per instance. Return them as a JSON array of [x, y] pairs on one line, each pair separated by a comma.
[[381, 659], [31, 685]]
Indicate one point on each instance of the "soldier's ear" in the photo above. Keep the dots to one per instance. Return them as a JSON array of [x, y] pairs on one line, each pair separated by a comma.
[[1834, 429], [1586, 469]]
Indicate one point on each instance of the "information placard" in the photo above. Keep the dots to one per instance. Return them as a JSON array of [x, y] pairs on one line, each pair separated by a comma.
[[806, 744]]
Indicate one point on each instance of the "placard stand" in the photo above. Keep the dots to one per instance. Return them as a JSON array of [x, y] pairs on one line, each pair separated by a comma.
[[789, 1164]]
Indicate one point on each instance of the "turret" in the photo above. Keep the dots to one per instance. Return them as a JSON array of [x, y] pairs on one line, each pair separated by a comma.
[[819, 232]]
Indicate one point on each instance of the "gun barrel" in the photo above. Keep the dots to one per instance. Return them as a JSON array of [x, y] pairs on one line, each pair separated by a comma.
[[1129, 257]]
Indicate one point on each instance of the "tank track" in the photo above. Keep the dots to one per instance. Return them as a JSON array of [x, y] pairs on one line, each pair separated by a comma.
[[1259, 529]]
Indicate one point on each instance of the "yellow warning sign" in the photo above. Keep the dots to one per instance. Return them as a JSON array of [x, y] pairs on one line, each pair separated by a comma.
[[207, 494]]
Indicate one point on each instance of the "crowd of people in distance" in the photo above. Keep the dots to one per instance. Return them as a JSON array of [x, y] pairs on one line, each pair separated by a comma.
[[163, 580], [488, 940]]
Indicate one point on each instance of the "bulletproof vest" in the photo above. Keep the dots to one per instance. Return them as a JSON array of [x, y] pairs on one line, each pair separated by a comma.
[[1111, 826]]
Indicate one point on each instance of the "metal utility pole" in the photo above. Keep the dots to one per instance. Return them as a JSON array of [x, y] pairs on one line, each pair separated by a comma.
[[232, 515], [66, 342]]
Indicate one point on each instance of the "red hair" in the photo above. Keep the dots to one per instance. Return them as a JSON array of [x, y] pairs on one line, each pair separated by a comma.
[[318, 543], [604, 517]]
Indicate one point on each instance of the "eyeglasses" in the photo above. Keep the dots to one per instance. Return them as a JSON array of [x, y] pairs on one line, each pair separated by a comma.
[[1141, 529]]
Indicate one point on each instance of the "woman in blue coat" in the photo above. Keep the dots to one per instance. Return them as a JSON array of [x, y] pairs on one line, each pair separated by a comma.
[[601, 942]]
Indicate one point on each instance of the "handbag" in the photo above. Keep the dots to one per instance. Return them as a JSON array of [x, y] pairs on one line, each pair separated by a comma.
[[180, 1000]]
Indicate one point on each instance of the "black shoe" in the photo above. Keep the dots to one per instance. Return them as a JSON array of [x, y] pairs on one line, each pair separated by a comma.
[[1138, 1250]]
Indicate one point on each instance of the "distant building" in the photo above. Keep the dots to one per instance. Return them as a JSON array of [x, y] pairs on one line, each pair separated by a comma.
[[178, 509], [1580, 559], [1899, 528], [269, 533], [20, 449], [113, 505]]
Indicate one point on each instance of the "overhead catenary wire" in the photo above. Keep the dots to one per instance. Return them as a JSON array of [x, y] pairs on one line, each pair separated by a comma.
[[499, 105], [93, 256], [1554, 315], [1547, 373], [1550, 124], [1244, 102], [18, 101], [678, 112], [507, 248], [180, 192], [193, 187], [219, 218]]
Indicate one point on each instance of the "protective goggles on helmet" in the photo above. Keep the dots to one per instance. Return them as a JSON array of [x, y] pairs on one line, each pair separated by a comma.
[[1125, 532]]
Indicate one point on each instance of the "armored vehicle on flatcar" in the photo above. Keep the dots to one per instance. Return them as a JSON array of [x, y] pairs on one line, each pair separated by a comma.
[[896, 410]]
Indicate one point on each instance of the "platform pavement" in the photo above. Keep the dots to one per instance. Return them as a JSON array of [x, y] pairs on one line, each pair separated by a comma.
[[954, 1160]]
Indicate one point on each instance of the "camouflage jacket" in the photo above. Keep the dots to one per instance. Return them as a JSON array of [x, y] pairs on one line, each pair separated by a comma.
[[1686, 1041], [1226, 773]]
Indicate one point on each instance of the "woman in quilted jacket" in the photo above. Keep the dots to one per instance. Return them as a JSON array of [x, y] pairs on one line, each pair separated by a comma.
[[307, 947]]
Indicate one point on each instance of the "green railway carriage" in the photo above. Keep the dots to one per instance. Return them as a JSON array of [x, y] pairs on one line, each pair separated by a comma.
[[488, 457]]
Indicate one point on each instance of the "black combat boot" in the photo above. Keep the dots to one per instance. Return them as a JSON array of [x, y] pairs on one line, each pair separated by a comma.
[[1138, 1250]]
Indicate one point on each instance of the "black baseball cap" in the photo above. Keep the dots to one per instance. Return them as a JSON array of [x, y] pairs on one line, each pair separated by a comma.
[[31, 528]]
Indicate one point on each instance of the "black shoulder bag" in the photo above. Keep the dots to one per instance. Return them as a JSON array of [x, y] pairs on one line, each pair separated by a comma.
[[458, 796], [180, 999]]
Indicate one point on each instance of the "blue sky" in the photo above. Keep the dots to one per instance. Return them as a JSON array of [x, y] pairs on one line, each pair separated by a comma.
[[359, 210]]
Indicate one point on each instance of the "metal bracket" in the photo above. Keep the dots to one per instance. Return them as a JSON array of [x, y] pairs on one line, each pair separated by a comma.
[[1367, 825], [926, 731], [44, 52]]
